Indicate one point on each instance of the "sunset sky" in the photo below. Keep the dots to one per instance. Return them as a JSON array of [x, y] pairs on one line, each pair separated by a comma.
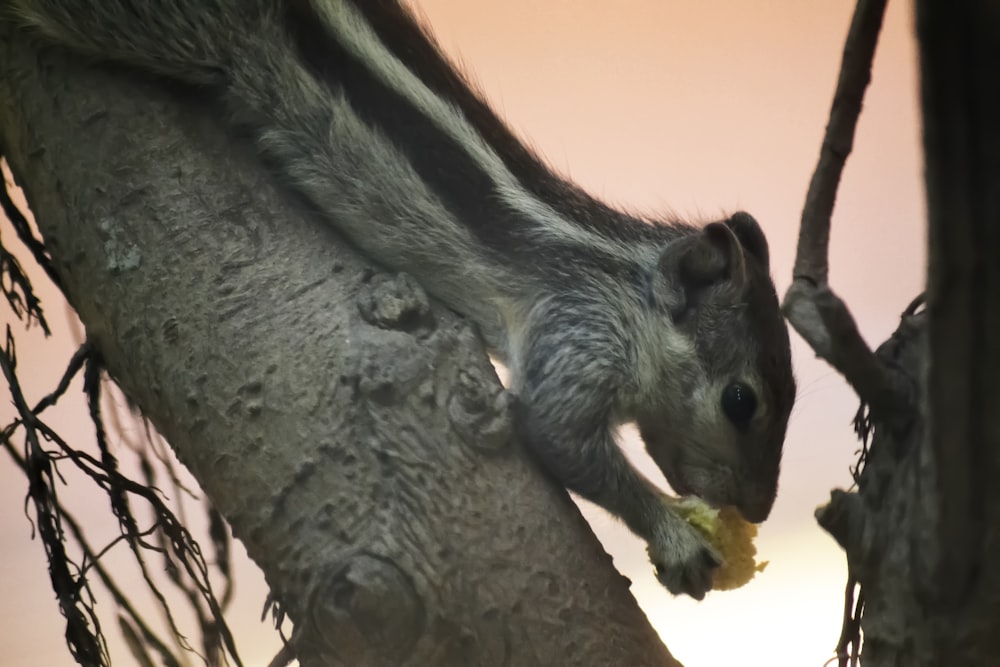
[[692, 108]]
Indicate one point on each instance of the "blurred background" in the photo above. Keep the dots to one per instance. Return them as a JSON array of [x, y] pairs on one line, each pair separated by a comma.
[[696, 109]]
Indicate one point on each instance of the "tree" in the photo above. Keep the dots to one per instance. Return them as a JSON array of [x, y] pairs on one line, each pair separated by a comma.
[[919, 530], [353, 435]]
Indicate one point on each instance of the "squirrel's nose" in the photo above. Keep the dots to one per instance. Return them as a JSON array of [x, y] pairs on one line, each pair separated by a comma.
[[755, 504]]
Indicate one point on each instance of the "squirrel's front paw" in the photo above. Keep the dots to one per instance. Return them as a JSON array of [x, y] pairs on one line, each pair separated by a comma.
[[683, 558]]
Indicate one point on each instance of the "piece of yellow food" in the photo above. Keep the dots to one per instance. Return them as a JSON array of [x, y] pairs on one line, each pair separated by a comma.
[[731, 535]]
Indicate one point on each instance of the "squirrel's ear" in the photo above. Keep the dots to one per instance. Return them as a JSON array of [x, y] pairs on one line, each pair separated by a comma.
[[693, 263], [750, 236], [718, 257]]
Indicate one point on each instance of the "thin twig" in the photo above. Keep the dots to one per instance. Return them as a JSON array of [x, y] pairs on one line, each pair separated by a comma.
[[84, 637], [811, 259], [74, 366], [174, 540], [811, 307], [93, 560], [23, 228], [849, 644]]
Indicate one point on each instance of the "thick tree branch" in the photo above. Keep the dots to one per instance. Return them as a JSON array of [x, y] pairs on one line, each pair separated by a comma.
[[354, 436]]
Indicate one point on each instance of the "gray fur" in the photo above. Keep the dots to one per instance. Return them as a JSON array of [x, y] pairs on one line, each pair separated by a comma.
[[645, 323]]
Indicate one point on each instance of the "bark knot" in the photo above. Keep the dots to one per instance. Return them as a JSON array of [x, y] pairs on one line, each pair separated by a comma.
[[367, 606], [394, 302]]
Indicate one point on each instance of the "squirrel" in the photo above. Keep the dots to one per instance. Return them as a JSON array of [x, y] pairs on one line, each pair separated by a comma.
[[601, 316]]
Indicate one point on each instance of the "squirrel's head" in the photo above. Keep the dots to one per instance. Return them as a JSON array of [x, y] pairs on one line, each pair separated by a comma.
[[714, 409]]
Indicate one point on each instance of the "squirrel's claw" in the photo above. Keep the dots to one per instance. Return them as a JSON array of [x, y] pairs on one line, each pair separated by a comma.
[[684, 560]]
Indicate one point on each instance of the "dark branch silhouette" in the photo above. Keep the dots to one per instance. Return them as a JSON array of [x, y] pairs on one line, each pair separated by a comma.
[[810, 305]]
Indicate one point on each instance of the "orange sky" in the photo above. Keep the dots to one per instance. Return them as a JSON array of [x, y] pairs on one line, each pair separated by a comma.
[[693, 107]]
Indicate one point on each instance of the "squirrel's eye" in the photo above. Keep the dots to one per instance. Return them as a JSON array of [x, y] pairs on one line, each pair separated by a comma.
[[739, 403]]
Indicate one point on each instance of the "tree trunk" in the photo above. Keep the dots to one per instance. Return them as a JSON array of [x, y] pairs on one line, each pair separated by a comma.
[[960, 90], [921, 534], [354, 435]]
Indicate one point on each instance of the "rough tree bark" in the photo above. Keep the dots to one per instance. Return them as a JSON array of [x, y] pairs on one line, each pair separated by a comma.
[[920, 532], [354, 436]]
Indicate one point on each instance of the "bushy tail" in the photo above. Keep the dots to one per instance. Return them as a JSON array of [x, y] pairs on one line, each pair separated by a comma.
[[340, 118], [238, 48], [193, 41]]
